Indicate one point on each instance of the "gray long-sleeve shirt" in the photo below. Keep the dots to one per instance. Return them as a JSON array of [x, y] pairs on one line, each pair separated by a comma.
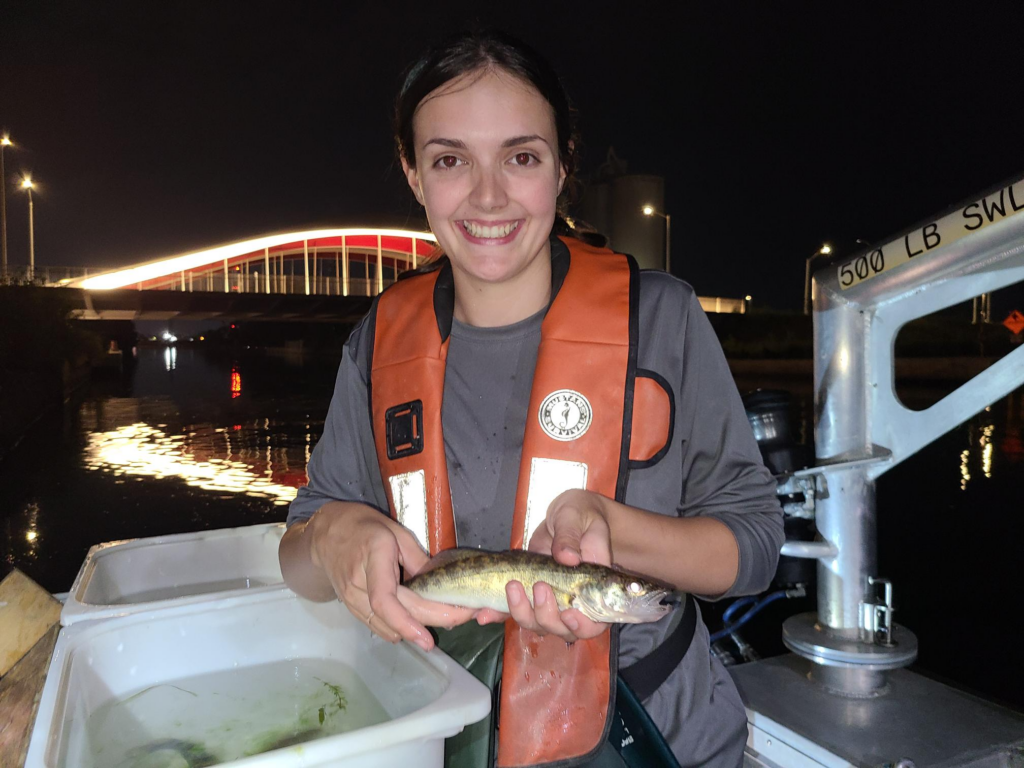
[[713, 468]]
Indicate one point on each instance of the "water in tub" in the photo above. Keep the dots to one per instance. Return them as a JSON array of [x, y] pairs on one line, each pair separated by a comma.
[[215, 718]]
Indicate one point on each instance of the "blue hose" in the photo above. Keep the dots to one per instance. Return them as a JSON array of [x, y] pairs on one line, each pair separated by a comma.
[[757, 607], [741, 603]]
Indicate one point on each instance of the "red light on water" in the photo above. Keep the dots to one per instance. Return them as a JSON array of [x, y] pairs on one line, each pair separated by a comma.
[[236, 386]]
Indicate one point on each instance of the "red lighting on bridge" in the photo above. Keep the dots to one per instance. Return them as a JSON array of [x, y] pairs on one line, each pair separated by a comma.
[[371, 250]]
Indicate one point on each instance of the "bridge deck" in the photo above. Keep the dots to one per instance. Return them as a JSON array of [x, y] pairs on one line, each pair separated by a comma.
[[124, 304]]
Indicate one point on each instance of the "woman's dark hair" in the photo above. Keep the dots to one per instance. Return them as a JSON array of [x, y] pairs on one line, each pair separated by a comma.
[[478, 51]]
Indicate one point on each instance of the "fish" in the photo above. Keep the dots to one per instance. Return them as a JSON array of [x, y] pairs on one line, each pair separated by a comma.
[[172, 753], [476, 578]]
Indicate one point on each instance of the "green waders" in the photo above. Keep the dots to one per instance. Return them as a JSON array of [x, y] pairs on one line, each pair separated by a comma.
[[633, 740]]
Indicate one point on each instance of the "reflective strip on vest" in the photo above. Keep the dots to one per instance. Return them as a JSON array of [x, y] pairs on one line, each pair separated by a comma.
[[409, 491], [549, 478]]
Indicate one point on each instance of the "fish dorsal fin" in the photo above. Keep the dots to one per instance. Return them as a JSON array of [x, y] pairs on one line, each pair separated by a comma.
[[450, 556]]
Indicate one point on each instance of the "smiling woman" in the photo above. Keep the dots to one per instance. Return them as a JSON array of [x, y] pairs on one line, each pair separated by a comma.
[[532, 391], [489, 187]]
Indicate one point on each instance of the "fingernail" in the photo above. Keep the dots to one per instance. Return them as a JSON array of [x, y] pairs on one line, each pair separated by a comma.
[[513, 596], [425, 645], [540, 596], [571, 623]]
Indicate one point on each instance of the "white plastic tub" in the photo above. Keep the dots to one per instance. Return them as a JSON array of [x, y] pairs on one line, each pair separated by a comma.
[[125, 577], [226, 678]]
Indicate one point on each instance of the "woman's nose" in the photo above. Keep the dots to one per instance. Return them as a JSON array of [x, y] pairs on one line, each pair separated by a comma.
[[488, 190]]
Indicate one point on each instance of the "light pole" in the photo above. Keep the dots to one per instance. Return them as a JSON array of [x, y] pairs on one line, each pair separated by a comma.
[[26, 184], [825, 250], [650, 210], [5, 141]]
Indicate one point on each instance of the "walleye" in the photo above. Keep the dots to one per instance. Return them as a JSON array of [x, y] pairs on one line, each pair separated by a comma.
[[474, 578]]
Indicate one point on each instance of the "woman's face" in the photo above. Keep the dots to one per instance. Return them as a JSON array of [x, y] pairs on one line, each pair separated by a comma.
[[488, 174]]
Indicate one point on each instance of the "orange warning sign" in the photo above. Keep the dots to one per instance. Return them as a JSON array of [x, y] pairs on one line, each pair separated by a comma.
[[1015, 322]]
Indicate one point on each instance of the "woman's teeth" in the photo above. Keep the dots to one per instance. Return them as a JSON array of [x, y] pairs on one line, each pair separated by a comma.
[[489, 233]]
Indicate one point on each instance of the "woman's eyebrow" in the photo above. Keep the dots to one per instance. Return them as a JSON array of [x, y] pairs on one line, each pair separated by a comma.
[[452, 143], [517, 140]]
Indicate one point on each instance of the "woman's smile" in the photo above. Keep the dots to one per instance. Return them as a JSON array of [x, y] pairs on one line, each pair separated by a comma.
[[494, 233]]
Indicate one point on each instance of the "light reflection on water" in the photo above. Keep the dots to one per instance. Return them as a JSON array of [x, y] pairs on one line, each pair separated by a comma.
[[32, 529], [140, 449], [144, 438], [989, 438], [978, 453]]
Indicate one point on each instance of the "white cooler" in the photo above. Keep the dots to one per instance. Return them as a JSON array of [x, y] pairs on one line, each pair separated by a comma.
[[125, 577], [250, 680]]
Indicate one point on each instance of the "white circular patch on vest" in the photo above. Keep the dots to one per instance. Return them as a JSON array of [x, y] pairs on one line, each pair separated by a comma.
[[565, 414]]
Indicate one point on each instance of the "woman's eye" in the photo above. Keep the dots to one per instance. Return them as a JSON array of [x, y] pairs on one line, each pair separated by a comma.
[[447, 161], [524, 158]]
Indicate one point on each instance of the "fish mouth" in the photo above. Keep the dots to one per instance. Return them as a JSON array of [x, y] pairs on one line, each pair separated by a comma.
[[654, 605], [641, 609]]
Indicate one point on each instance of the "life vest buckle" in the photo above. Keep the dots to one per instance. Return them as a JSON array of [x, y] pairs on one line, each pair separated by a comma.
[[404, 428]]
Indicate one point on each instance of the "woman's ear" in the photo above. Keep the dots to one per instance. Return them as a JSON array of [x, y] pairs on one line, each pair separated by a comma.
[[413, 179]]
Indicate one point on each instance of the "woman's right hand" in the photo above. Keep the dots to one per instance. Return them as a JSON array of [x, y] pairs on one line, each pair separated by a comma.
[[362, 551]]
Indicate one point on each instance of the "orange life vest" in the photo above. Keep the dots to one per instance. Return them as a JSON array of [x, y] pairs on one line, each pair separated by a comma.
[[590, 415]]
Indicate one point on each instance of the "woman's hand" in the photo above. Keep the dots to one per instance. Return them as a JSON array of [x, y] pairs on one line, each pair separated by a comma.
[[361, 552], [574, 531]]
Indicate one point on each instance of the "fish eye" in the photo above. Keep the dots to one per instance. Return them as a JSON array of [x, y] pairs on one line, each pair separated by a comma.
[[634, 588]]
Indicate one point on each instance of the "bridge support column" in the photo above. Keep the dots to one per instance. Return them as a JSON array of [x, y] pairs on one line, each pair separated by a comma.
[[305, 263], [380, 267], [344, 267]]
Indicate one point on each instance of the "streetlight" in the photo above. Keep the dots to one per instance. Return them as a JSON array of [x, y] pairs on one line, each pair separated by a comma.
[[650, 210], [26, 184], [5, 141], [825, 250]]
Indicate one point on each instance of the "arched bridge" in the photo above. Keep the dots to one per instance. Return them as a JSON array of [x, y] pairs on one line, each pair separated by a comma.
[[325, 274]]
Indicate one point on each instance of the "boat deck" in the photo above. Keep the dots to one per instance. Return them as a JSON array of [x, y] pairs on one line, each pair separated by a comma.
[[795, 721]]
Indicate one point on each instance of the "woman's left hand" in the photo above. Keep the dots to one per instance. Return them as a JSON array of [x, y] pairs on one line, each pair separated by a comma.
[[574, 531]]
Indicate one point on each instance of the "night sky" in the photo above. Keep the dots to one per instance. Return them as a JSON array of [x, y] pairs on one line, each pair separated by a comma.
[[152, 128]]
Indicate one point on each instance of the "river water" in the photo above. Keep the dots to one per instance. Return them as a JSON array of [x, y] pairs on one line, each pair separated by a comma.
[[190, 440]]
